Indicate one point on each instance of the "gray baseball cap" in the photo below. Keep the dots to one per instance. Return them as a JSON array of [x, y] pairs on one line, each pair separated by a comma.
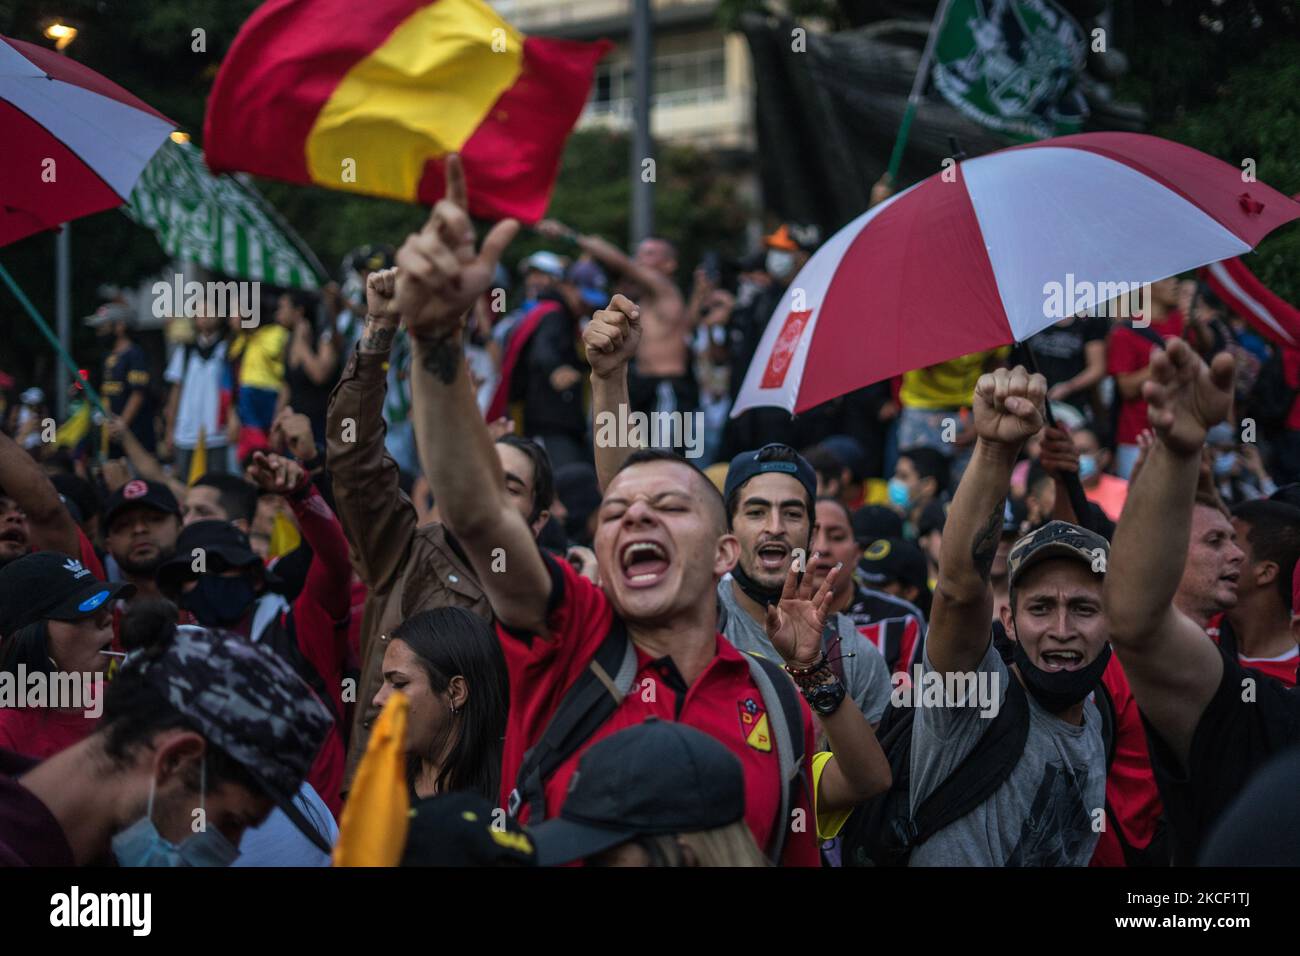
[[248, 701]]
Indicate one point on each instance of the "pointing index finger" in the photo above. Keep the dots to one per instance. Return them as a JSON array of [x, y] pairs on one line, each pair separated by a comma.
[[457, 191]]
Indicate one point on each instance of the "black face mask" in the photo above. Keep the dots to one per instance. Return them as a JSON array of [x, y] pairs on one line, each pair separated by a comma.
[[1059, 690], [217, 601], [757, 592]]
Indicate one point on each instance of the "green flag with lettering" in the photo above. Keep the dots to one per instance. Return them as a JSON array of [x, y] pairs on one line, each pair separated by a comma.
[[1013, 66]]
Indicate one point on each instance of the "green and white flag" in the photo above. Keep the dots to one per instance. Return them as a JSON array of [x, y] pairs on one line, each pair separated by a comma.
[[219, 222], [1013, 65]]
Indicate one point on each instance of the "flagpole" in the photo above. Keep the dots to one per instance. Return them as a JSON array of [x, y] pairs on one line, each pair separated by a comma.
[[918, 86], [62, 353]]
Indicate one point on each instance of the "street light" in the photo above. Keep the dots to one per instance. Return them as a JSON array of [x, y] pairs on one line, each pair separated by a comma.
[[61, 34], [179, 137]]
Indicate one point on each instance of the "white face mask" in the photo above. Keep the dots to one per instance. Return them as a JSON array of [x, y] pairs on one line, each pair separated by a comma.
[[779, 263]]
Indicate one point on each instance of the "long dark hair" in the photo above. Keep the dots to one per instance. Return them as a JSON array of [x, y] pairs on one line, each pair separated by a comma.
[[450, 641]]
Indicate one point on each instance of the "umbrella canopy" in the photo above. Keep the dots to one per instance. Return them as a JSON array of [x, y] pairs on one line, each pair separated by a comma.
[[74, 142], [964, 260]]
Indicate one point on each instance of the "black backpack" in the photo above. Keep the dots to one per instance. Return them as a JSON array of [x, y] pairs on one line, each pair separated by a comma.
[[884, 831], [599, 692]]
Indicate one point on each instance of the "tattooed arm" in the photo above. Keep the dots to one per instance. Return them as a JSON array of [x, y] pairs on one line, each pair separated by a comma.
[[440, 275], [1008, 409]]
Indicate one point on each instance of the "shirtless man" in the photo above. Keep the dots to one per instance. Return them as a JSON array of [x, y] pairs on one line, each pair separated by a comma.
[[662, 365]]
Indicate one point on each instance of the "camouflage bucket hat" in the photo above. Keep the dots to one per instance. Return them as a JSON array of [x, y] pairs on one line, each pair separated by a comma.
[[248, 701]]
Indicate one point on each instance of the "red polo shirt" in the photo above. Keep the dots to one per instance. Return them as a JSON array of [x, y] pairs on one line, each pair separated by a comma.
[[542, 669]]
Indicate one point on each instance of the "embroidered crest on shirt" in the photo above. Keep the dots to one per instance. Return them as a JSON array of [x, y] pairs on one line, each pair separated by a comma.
[[753, 724]]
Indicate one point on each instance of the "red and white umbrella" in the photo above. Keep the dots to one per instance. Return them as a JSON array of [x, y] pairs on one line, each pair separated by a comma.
[[958, 265], [74, 143]]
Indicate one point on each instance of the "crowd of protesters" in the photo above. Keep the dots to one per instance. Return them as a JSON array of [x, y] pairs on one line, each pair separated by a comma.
[[1028, 607]]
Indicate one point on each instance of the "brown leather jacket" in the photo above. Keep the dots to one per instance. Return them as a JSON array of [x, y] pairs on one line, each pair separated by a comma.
[[405, 569]]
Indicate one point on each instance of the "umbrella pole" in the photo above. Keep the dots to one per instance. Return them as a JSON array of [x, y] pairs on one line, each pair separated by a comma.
[[1073, 486], [41, 324]]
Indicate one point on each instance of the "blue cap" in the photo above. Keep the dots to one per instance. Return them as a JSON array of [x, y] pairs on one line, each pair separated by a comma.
[[749, 464]]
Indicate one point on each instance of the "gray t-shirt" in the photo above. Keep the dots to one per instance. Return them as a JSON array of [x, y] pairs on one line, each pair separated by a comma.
[[866, 677], [1043, 814]]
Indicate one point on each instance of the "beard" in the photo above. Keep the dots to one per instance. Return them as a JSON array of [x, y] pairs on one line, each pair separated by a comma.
[[144, 569]]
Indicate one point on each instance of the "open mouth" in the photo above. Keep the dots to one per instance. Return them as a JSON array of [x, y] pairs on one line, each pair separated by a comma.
[[644, 563], [1062, 660], [773, 556], [13, 536]]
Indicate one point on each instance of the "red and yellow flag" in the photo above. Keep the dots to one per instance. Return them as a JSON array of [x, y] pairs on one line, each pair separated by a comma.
[[369, 97]]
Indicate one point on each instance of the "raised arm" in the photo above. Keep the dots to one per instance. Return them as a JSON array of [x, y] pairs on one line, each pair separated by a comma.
[[655, 283], [49, 525], [1007, 410], [1173, 666], [611, 339], [859, 769], [439, 276], [378, 519]]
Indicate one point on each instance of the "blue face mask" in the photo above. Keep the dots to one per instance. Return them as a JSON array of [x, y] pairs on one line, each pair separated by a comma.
[[142, 845], [899, 496], [219, 602], [1087, 467], [1224, 464]]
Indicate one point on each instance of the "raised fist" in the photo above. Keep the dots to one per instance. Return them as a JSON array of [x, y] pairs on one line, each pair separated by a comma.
[[1185, 397], [612, 336], [1009, 406]]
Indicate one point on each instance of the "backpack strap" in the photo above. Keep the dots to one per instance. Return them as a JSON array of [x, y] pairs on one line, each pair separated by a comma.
[[985, 768], [587, 704], [781, 701], [1148, 333]]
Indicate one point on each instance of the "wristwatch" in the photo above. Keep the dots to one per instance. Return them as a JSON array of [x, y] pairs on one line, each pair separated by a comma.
[[825, 698]]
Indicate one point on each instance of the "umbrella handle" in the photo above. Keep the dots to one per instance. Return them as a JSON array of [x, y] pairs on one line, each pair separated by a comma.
[[1073, 486]]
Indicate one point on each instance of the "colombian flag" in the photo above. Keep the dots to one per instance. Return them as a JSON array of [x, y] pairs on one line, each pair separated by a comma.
[[368, 97]]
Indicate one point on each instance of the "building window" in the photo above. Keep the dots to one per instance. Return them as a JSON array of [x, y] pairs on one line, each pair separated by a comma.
[[680, 79]]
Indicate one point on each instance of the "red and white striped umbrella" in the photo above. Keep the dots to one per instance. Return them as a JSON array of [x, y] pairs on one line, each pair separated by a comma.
[[958, 265], [74, 142]]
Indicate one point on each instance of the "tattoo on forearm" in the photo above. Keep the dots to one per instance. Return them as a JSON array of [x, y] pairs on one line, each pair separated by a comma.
[[443, 357], [377, 338], [985, 548]]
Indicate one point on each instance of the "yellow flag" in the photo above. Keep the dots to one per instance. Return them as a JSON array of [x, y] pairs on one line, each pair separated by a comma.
[[378, 812], [198, 460], [72, 432], [284, 536]]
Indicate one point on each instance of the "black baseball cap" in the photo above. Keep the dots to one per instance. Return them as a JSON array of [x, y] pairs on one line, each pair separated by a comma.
[[49, 586], [659, 777], [932, 518], [247, 700], [465, 829], [893, 559], [1057, 539], [749, 464], [139, 492], [875, 521], [224, 547]]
